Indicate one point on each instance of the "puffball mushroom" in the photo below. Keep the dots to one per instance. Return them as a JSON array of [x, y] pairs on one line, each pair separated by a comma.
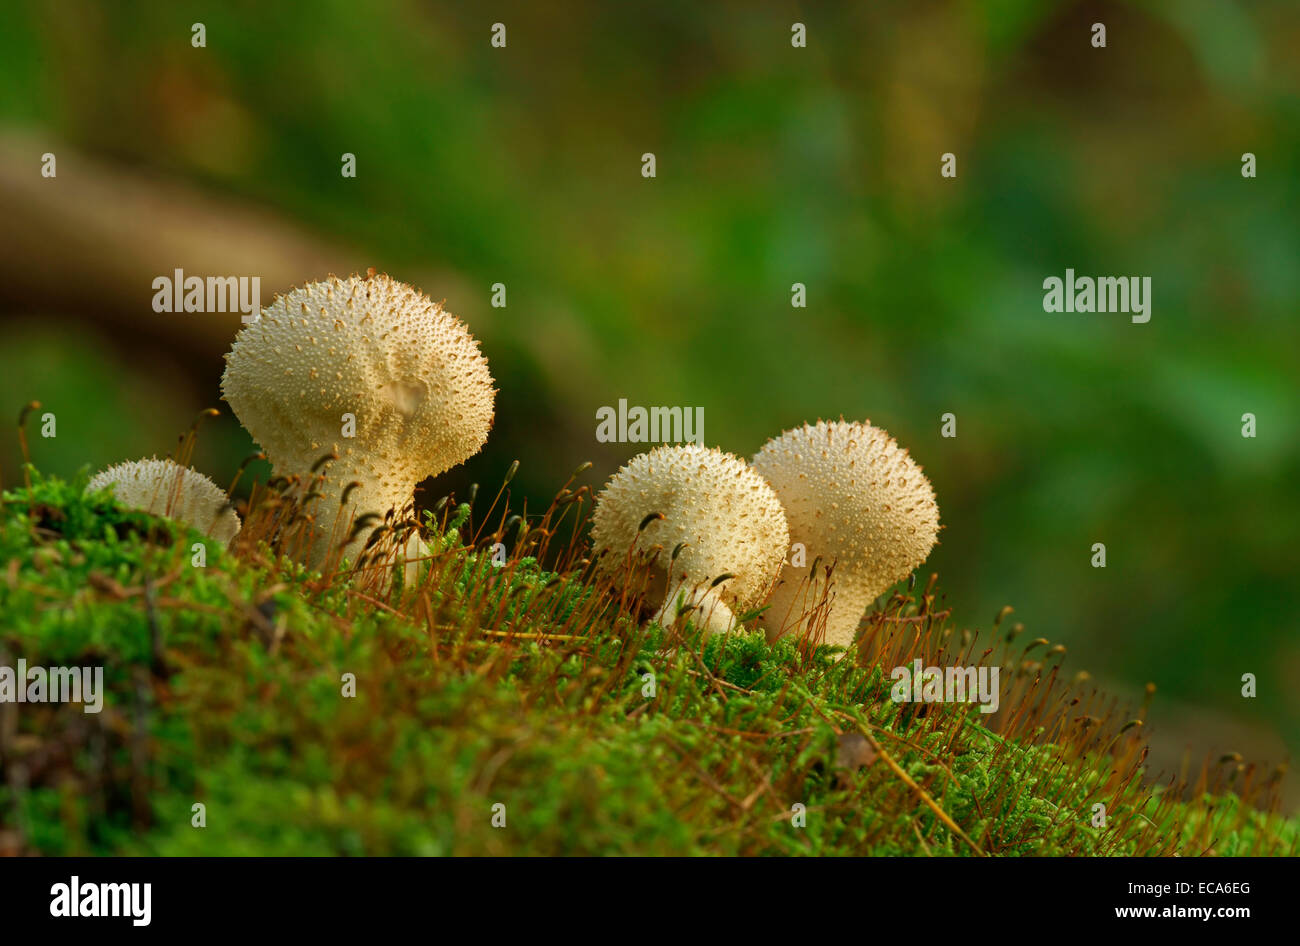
[[854, 499], [165, 488], [723, 514], [409, 374]]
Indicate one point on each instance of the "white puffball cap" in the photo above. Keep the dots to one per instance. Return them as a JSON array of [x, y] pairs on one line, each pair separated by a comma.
[[165, 488], [726, 514], [409, 372]]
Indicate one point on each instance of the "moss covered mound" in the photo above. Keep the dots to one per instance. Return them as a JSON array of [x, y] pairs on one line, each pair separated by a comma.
[[500, 709]]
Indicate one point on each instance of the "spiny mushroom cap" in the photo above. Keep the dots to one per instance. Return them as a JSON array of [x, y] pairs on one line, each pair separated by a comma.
[[165, 488], [408, 371], [726, 514], [855, 498]]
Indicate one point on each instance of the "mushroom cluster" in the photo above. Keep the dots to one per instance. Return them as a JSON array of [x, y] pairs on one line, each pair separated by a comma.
[[165, 488], [717, 524], [857, 502], [371, 378], [373, 370]]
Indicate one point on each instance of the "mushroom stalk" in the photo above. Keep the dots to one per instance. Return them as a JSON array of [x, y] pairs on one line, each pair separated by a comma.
[[336, 523], [703, 606]]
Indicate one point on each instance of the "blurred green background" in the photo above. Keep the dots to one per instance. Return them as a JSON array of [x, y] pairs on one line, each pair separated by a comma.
[[776, 165]]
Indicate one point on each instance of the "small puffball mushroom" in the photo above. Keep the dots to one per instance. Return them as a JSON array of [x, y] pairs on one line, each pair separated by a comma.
[[726, 518], [165, 488], [855, 500], [372, 369]]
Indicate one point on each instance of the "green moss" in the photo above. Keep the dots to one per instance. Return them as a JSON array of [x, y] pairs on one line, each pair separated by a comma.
[[492, 686]]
